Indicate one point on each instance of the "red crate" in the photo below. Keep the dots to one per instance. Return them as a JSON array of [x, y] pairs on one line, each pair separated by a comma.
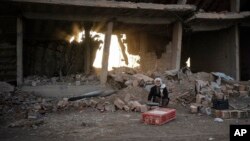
[[159, 116]]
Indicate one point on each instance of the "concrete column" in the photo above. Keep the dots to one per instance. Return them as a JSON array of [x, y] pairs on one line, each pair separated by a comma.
[[235, 7], [19, 51], [176, 45], [237, 52], [87, 61], [143, 50], [105, 56]]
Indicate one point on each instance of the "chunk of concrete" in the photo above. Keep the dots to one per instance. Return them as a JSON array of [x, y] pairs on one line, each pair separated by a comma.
[[119, 103]]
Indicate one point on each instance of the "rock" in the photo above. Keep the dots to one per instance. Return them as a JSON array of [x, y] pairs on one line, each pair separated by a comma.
[[143, 108], [126, 108], [119, 103], [140, 76], [129, 82], [33, 83], [194, 108], [78, 83], [33, 115], [134, 105], [200, 98], [100, 106], [127, 98], [63, 103], [6, 87], [236, 87], [93, 103], [135, 83], [109, 107], [37, 106], [26, 123]]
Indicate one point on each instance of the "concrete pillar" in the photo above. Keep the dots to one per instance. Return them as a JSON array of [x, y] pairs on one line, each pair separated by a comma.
[[105, 56], [176, 45], [19, 51], [143, 50], [235, 7], [87, 61]]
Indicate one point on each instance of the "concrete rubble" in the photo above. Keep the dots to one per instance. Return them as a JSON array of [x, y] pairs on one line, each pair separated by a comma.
[[195, 91]]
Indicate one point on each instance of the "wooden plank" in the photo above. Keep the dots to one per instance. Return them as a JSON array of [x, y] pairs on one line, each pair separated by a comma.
[[105, 56], [69, 17], [114, 4], [176, 45], [19, 49]]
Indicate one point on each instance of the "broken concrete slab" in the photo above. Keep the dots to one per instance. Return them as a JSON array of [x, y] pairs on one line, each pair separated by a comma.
[[119, 103]]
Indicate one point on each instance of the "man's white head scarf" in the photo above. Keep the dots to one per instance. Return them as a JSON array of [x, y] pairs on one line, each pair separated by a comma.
[[159, 79]]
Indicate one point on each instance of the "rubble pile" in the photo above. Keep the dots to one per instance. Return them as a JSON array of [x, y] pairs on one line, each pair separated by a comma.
[[74, 79]]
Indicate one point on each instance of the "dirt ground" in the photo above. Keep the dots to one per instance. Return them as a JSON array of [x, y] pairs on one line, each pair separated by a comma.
[[90, 124]]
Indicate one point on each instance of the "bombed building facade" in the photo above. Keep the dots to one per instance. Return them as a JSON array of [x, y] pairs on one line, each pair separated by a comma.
[[42, 37]]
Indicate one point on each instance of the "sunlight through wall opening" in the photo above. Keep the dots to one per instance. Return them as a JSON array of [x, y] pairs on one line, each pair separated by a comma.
[[116, 56]]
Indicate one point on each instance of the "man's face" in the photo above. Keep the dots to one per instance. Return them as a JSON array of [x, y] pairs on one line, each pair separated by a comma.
[[157, 82]]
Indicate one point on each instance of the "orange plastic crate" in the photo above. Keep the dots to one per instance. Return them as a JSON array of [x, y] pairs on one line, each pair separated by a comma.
[[159, 116]]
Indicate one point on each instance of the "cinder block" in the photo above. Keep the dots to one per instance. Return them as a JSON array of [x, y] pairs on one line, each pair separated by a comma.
[[242, 114], [234, 113], [225, 114]]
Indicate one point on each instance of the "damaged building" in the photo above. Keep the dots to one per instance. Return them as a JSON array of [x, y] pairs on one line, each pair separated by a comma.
[[36, 36], [108, 69]]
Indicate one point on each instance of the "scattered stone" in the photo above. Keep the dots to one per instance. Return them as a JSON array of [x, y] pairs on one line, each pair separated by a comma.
[[126, 108], [6, 87], [143, 108], [119, 103]]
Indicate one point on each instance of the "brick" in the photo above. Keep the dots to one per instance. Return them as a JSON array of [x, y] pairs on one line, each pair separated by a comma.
[[217, 113], [194, 107], [236, 87], [244, 93], [242, 88], [242, 114], [200, 98], [234, 113], [248, 112], [225, 114], [229, 87]]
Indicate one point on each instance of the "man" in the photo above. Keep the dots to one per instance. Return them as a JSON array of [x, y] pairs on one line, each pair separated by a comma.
[[159, 93]]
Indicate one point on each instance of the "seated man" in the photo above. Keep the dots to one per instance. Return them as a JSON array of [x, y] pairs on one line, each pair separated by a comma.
[[159, 93]]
